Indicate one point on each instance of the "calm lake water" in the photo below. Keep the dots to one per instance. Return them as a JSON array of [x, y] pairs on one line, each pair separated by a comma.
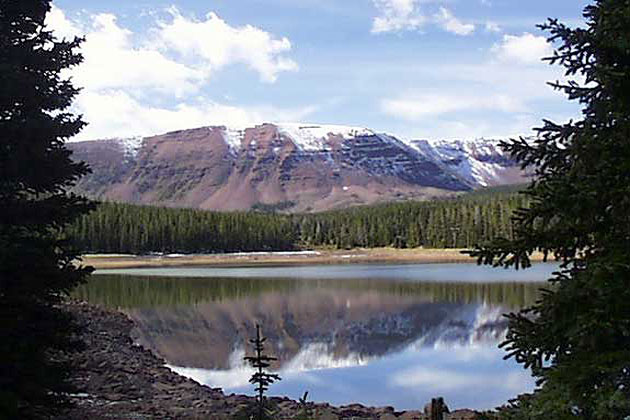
[[376, 334]]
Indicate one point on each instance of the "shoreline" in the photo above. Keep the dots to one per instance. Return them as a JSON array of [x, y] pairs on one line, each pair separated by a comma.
[[116, 378], [323, 256]]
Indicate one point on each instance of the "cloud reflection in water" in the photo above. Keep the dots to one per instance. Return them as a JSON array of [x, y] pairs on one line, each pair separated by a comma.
[[473, 376]]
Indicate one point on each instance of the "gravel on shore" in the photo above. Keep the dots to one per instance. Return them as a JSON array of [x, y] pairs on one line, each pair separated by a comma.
[[117, 379]]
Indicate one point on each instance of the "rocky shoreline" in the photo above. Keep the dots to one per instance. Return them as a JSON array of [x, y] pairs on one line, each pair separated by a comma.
[[117, 379]]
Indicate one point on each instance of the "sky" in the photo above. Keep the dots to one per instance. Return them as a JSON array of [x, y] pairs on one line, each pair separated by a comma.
[[417, 69]]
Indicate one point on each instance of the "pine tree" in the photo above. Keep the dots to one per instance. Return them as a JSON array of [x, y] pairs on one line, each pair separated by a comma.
[[576, 338], [36, 268], [261, 378]]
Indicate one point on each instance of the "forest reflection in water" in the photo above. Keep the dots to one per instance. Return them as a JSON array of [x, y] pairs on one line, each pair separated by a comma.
[[369, 340]]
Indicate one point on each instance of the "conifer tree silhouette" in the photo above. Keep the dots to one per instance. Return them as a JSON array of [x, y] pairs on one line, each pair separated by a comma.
[[261, 378]]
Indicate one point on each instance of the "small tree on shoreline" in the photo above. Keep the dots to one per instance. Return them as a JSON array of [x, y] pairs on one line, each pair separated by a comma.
[[261, 378]]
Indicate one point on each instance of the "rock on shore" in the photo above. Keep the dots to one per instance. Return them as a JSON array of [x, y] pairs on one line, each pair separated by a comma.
[[117, 379]]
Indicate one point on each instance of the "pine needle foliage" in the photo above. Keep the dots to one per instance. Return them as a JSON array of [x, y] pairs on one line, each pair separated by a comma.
[[36, 264], [576, 338], [261, 378]]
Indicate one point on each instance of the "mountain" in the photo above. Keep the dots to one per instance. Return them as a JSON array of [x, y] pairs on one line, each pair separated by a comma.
[[480, 163], [292, 166]]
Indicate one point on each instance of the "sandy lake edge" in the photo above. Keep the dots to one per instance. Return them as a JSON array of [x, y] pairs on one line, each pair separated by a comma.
[[358, 255]]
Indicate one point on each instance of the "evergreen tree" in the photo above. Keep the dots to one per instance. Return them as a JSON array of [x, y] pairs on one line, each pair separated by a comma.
[[36, 269], [261, 378], [576, 338]]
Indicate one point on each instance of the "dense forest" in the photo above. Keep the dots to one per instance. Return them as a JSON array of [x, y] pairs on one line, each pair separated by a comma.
[[460, 222]]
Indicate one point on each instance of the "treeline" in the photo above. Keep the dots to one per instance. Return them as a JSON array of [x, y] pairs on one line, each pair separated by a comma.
[[460, 223], [455, 223], [126, 228]]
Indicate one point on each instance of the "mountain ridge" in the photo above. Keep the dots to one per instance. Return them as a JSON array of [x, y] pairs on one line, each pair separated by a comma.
[[311, 167]]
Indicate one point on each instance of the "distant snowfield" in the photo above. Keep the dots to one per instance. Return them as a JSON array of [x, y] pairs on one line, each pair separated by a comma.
[[312, 137], [234, 137], [308, 137], [131, 145], [464, 157]]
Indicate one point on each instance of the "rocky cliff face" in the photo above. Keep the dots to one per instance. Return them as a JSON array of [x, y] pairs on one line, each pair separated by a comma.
[[291, 166]]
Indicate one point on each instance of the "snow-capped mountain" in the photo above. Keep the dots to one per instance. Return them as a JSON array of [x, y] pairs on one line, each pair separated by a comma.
[[297, 166], [480, 162]]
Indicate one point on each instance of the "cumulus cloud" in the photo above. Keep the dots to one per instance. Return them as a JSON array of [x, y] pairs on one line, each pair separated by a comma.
[[64, 28], [124, 75], [524, 49], [116, 113], [113, 61], [216, 44], [450, 23], [408, 15]]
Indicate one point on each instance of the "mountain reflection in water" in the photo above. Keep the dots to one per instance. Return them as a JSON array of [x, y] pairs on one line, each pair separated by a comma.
[[372, 341]]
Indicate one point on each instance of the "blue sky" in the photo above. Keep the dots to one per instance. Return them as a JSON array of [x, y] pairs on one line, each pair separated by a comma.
[[434, 69]]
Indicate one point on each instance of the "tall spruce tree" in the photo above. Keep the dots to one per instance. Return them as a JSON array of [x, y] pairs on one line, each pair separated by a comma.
[[36, 269], [576, 338]]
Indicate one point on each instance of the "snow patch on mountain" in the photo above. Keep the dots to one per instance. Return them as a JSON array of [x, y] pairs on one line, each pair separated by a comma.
[[130, 145], [234, 137], [313, 137], [475, 161]]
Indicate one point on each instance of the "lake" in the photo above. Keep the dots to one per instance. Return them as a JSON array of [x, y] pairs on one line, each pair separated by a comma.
[[376, 334]]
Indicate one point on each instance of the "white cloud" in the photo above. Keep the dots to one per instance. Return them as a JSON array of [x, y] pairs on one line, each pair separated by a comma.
[[504, 95], [524, 49], [408, 15], [397, 15], [445, 379], [432, 104], [116, 113], [63, 27], [217, 44], [450, 23], [113, 61], [124, 75]]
